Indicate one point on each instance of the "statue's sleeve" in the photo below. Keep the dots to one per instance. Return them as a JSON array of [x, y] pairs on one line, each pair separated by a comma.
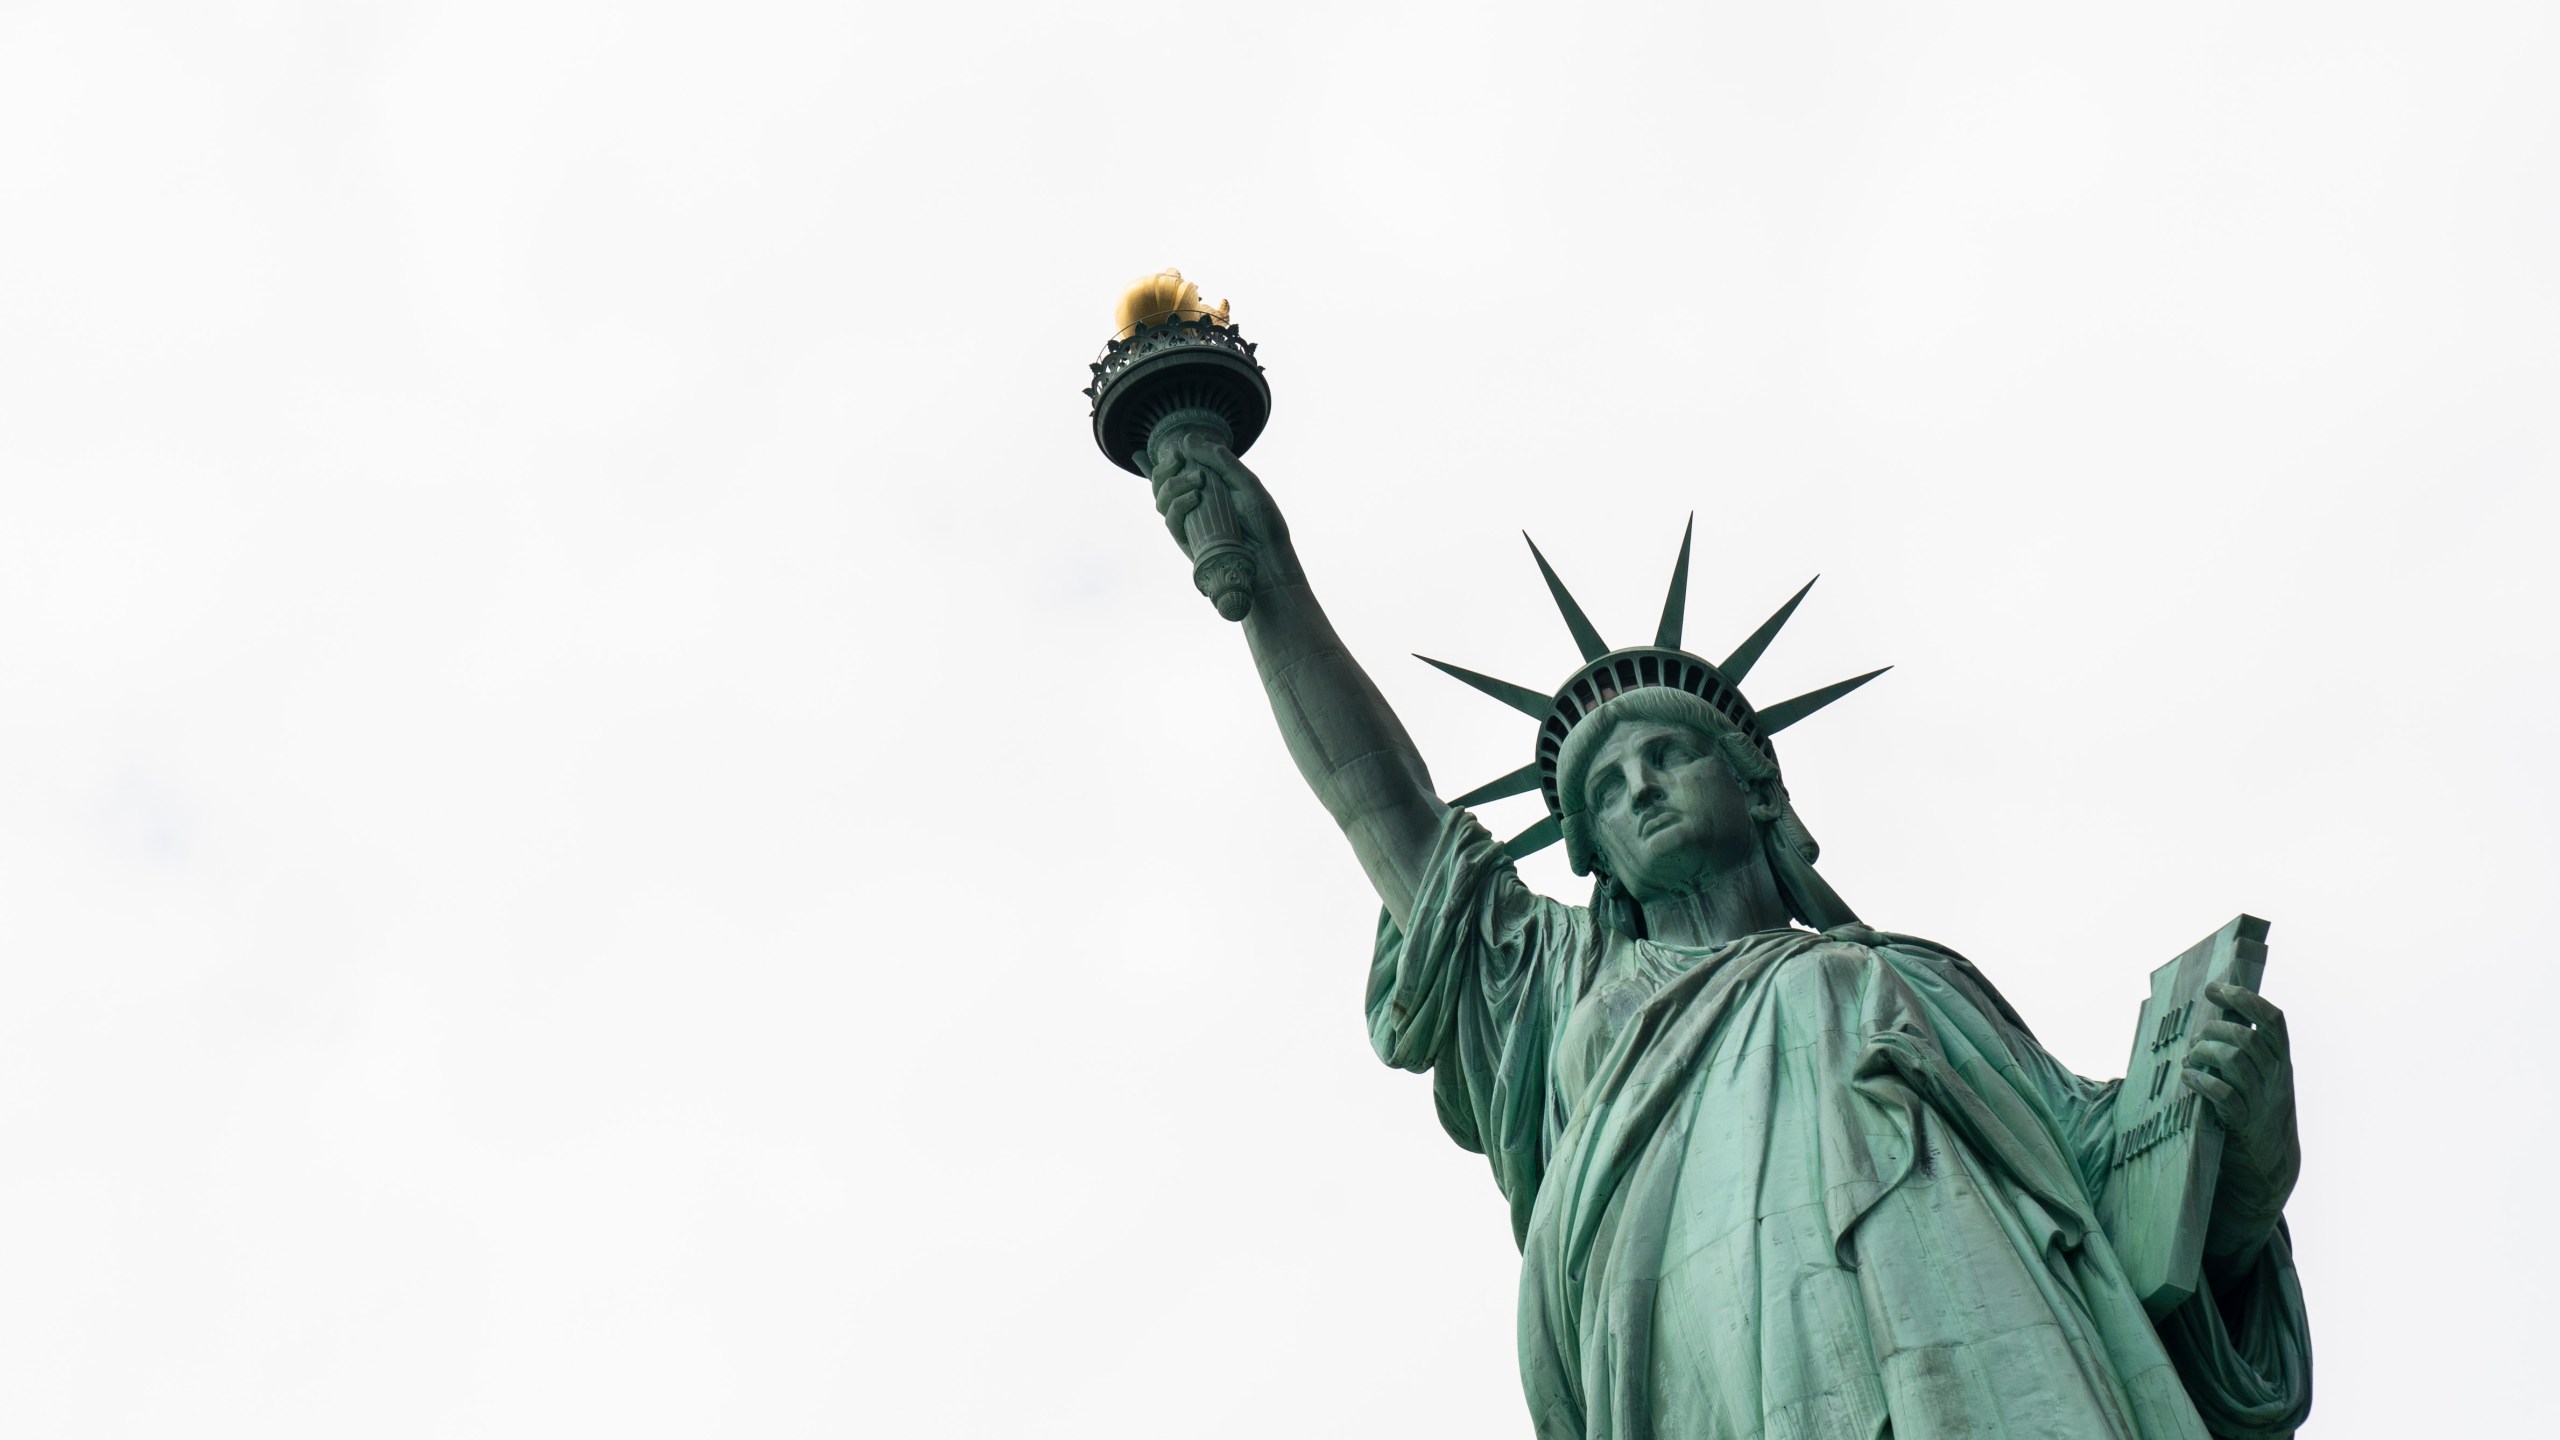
[[1474, 993], [2242, 1344]]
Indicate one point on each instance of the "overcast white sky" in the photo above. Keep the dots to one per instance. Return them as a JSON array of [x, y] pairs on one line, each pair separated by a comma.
[[612, 824]]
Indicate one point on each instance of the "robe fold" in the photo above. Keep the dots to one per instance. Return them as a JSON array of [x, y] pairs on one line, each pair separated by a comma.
[[1819, 1187]]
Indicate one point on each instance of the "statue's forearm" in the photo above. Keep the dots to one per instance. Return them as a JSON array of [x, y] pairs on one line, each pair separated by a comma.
[[1349, 745], [2245, 1211]]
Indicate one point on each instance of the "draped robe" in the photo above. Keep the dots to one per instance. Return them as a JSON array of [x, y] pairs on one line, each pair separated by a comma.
[[1819, 1187]]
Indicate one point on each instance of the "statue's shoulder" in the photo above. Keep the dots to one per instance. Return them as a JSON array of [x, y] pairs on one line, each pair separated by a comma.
[[1958, 971]]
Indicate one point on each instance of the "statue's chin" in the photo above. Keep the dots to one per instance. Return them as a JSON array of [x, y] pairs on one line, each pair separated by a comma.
[[1661, 889], [1678, 862]]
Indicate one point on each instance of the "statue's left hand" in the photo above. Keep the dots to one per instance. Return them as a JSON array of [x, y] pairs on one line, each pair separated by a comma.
[[2244, 1070]]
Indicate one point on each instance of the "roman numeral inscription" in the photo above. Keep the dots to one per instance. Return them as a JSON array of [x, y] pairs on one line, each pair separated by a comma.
[[2166, 1123], [2172, 1027]]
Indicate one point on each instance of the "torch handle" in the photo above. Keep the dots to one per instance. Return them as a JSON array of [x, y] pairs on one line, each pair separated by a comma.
[[1221, 566]]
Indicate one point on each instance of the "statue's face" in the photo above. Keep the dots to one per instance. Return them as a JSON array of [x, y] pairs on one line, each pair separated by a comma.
[[1666, 811]]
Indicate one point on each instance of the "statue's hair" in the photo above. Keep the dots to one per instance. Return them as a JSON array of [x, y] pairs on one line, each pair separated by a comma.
[[1791, 849]]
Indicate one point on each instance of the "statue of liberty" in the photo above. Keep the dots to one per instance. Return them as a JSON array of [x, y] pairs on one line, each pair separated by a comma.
[[1772, 1172]]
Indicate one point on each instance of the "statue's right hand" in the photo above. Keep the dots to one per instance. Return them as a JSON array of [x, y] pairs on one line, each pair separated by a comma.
[[1178, 485], [1181, 478]]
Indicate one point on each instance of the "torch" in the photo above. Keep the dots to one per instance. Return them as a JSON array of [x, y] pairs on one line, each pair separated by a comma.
[[1176, 368]]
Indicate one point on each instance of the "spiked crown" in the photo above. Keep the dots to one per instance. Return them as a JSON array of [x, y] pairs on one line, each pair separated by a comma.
[[1606, 674]]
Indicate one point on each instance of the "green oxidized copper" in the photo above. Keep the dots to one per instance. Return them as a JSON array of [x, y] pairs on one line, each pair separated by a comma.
[[1773, 1171]]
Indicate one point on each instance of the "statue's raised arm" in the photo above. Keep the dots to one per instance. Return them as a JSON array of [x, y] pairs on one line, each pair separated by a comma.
[[1348, 743]]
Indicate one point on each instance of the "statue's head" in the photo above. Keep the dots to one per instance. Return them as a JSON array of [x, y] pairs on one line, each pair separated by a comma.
[[1657, 774], [1661, 793]]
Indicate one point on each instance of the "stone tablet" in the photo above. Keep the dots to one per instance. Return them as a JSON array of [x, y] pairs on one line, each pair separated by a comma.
[[2168, 1147]]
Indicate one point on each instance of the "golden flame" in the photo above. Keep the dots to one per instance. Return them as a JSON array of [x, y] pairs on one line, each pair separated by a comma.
[[1163, 296]]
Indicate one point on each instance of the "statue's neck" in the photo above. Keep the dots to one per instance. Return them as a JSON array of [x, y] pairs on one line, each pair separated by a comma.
[[1726, 906]]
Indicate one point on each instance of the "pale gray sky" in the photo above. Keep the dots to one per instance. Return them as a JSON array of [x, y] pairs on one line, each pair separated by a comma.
[[610, 822]]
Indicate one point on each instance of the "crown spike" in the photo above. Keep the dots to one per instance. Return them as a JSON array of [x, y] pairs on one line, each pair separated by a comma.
[[1787, 712], [1593, 647], [1676, 603], [1534, 839], [1747, 654], [1518, 782], [1519, 697]]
